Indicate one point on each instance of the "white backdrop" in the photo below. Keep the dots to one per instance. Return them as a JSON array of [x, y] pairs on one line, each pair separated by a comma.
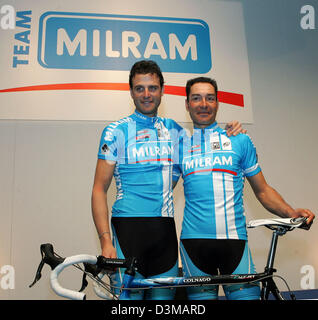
[[47, 166]]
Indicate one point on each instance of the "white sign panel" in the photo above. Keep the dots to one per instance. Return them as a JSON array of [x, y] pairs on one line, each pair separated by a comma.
[[70, 60]]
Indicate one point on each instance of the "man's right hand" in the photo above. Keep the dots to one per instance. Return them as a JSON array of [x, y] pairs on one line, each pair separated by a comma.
[[108, 250]]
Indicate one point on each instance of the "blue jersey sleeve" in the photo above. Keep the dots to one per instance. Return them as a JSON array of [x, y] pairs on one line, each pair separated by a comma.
[[249, 162], [108, 145]]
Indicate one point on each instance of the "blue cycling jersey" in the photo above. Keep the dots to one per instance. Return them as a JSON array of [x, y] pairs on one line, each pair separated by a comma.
[[213, 167], [142, 148]]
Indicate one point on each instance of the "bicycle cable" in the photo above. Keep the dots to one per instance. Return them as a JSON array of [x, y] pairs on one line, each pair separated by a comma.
[[290, 292]]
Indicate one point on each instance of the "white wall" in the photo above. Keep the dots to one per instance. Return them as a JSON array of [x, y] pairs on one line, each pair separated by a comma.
[[47, 168], [283, 66]]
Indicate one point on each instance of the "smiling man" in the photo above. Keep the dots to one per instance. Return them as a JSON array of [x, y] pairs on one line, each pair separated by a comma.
[[213, 167], [146, 92], [202, 104], [137, 151]]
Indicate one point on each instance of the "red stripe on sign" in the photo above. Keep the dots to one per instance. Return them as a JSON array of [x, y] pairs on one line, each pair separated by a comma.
[[72, 86], [176, 91], [231, 98], [236, 99], [218, 170], [225, 97]]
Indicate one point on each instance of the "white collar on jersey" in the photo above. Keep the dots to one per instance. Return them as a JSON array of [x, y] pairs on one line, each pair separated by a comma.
[[212, 127], [139, 116]]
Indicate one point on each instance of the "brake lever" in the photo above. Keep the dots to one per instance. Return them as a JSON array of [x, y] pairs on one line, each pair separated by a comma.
[[94, 270], [38, 274], [49, 258], [84, 283]]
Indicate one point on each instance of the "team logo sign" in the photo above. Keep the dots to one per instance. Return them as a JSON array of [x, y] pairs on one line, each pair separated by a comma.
[[115, 42]]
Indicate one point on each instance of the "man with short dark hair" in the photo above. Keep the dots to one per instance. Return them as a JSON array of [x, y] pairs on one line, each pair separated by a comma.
[[213, 167]]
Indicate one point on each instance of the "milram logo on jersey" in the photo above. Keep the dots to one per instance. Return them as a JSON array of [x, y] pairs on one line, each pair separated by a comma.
[[146, 152], [218, 158], [115, 42], [208, 163]]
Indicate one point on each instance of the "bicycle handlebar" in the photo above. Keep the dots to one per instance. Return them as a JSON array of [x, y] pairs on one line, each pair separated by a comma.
[[93, 265], [67, 293], [100, 262]]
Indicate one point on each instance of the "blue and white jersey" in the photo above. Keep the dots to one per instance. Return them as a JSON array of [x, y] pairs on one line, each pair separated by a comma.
[[213, 167], [142, 148]]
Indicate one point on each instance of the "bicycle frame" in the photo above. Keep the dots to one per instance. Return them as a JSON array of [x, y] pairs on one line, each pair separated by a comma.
[[266, 278], [269, 286], [129, 282], [94, 265]]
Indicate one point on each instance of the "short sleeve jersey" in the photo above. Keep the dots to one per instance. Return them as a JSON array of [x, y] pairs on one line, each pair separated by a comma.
[[142, 148], [213, 167]]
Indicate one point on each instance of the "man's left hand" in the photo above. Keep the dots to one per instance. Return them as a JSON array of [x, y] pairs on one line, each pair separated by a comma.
[[234, 128]]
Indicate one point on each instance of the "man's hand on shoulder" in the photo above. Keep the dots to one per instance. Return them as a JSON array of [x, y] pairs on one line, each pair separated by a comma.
[[233, 128]]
